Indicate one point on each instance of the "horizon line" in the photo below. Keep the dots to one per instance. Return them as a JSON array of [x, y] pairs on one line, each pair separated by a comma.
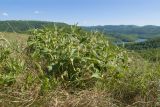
[[82, 25]]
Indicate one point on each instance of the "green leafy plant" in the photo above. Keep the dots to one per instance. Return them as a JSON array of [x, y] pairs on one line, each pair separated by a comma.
[[76, 57]]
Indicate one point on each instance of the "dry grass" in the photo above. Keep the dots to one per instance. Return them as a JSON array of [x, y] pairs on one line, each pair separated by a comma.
[[83, 98], [15, 37], [63, 98]]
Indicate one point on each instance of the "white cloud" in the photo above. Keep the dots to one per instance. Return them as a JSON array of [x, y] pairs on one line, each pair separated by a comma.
[[36, 12], [5, 14]]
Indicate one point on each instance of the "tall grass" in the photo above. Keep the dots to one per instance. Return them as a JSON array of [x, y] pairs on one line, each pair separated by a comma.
[[71, 67]]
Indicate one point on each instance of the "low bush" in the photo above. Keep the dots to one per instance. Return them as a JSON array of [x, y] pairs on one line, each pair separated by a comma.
[[76, 58]]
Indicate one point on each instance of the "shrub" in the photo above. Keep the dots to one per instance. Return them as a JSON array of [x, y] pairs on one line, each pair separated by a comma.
[[75, 57]]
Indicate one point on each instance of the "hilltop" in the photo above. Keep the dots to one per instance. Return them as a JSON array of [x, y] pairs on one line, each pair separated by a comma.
[[69, 67]]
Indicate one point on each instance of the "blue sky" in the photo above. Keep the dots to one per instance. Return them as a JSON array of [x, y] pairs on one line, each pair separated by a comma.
[[83, 12]]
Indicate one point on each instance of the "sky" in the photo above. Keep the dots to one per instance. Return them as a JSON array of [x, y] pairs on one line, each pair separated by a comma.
[[84, 12]]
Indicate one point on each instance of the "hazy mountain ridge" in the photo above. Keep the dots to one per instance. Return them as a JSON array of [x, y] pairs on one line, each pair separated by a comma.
[[118, 33], [128, 32], [24, 26]]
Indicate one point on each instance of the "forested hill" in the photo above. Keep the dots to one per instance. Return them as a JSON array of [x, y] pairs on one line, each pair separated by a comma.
[[128, 32], [150, 44], [23, 26], [118, 33]]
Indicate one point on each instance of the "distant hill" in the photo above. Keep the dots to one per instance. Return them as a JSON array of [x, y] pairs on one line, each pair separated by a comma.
[[23, 26], [116, 33], [150, 44], [128, 32]]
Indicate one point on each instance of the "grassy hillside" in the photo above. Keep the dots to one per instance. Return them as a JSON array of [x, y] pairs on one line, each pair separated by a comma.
[[150, 54], [14, 37], [73, 68]]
